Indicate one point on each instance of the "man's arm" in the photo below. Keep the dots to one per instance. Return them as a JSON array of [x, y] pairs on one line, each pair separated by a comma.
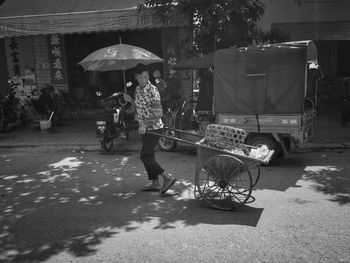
[[154, 94]]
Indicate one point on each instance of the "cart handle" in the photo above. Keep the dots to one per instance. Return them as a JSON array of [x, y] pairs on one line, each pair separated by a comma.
[[197, 143], [159, 133]]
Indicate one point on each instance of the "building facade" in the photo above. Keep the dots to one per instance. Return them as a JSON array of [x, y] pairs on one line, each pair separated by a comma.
[[43, 41]]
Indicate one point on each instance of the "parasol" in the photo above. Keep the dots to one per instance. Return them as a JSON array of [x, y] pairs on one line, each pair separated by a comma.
[[118, 57]]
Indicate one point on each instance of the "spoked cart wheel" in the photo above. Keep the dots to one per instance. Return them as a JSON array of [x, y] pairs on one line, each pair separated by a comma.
[[223, 181], [254, 169]]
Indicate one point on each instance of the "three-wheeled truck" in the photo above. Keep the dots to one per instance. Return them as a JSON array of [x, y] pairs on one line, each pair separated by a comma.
[[270, 91]]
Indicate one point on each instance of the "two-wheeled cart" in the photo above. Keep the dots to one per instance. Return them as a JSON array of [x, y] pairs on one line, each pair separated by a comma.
[[223, 178]]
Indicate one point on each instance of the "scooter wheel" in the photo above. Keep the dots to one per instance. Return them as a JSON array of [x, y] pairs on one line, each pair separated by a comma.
[[107, 145]]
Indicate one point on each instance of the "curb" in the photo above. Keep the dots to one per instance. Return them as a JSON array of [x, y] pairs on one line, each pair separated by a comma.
[[310, 147], [85, 147], [318, 147]]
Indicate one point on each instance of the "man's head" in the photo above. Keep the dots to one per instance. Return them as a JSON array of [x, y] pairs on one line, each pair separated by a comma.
[[141, 75]]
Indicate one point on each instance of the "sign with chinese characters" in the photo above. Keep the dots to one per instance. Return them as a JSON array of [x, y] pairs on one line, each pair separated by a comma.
[[16, 69], [175, 49], [57, 59], [20, 64], [171, 51]]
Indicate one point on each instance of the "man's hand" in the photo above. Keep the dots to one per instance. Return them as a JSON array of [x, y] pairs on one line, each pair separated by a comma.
[[149, 122], [142, 129]]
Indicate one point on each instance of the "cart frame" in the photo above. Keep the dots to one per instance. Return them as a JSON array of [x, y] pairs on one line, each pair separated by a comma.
[[223, 178]]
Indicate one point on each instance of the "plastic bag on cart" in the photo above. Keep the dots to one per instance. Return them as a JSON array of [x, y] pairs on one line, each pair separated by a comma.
[[259, 153]]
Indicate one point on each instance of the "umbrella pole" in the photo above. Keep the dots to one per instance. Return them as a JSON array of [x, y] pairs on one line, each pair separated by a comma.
[[124, 80], [120, 41]]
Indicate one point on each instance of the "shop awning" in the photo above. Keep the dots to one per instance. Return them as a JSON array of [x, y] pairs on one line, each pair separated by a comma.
[[40, 17]]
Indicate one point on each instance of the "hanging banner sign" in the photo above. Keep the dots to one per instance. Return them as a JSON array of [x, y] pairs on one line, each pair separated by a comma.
[[57, 59]]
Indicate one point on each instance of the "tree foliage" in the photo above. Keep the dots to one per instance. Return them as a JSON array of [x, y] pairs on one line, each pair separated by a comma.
[[216, 23]]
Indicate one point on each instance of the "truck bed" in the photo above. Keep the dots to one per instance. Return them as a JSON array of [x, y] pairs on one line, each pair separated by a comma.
[[298, 126]]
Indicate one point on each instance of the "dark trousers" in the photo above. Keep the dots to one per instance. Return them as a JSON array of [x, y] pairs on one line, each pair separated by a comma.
[[153, 169]]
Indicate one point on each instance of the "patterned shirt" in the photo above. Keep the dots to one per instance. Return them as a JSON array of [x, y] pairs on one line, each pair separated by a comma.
[[144, 99]]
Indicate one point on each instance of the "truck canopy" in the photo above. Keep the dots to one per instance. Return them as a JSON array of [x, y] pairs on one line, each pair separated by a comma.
[[266, 79]]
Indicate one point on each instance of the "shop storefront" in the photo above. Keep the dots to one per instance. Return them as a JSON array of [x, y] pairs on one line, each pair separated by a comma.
[[43, 42]]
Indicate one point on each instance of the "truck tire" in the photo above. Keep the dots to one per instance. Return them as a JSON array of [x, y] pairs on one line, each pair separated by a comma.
[[166, 144], [260, 140]]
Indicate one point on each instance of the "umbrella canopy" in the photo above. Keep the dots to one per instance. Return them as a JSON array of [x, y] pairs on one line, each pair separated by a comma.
[[118, 57]]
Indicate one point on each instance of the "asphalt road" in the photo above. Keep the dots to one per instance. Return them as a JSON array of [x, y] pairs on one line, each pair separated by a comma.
[[85, 207]]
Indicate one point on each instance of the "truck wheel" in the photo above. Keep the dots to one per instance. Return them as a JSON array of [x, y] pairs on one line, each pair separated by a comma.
[[260, 140], [166, 144]]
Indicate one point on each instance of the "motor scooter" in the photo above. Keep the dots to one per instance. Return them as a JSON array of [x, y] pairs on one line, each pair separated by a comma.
[[114, 124]]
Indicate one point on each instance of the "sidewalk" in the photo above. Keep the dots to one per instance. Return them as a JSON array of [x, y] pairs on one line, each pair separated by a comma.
[[78, 133], [329, 134], [75, 134]]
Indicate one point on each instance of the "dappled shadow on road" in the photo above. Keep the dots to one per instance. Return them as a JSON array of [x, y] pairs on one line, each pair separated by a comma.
[[328, 172], [281, 174], [77, 202], [330, 180]]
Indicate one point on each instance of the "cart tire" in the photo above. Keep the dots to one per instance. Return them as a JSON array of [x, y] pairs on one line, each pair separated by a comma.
[[224, 182], [165, 144], [254, 169], [268, 141]]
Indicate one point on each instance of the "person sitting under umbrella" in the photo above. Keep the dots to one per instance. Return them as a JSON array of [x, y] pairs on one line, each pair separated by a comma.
[[46, 103]]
